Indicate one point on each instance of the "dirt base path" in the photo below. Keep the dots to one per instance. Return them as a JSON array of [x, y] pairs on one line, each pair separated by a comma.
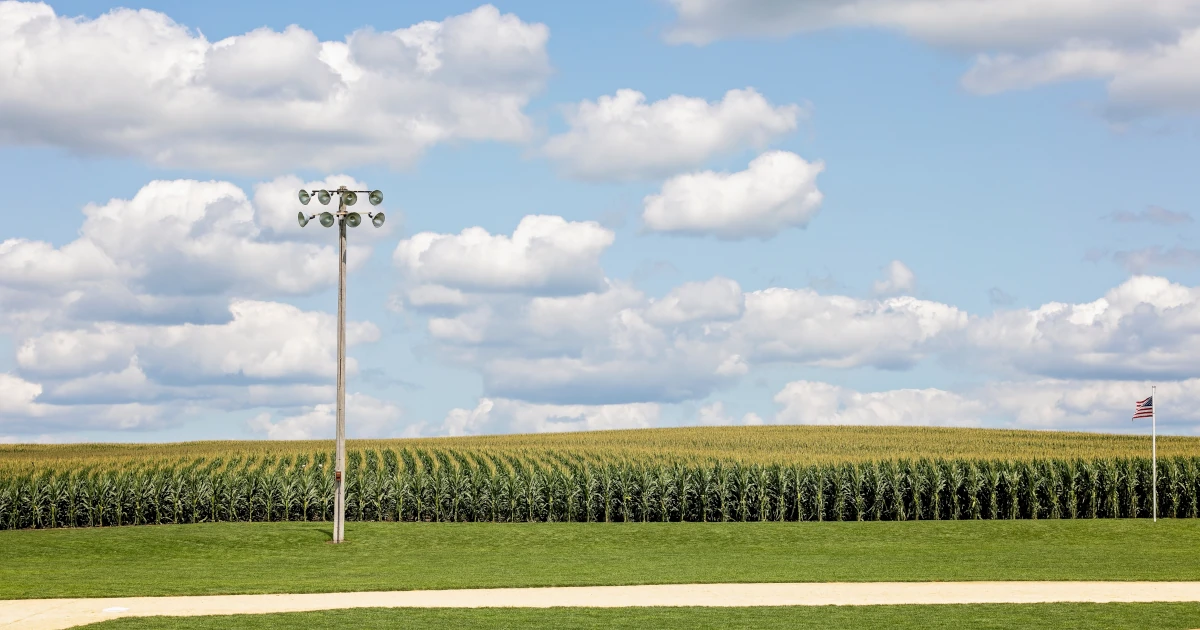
[[47, 614]]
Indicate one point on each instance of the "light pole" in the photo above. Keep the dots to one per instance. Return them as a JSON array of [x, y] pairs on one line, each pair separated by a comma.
[[343, 218]]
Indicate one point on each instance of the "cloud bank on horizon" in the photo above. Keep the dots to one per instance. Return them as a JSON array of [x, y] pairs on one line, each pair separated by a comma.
[[196, 298]]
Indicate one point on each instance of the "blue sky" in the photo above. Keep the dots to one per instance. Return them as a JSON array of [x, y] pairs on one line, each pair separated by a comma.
[[875, 228]]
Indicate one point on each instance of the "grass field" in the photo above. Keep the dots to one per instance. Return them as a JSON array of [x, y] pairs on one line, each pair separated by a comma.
[[983, 617], [773, 445], [294, 557]]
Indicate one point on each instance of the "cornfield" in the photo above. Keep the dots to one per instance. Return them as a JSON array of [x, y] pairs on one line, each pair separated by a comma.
[[450, 485], [763, 445]]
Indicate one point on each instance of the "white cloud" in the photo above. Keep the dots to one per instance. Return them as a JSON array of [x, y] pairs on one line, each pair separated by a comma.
[[1145, 328], [807, 402], [897, 279], [988, 24], [713, 414], [621, 346], [607, 376], [17, 396], [545, 254], [1147, 51], [1160, 77], [714, 300], [22, 410], [777, 191], [1165, 79], [512, 416], [263, 341], [996, 73], [155, 313], [365, 417], [803, 326], [1092, 405], [1059, 404], [174, 252], [623, 137], [135, 83]]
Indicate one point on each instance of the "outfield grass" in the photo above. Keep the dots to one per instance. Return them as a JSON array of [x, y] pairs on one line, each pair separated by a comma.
[[295, 558], [1026, 616]]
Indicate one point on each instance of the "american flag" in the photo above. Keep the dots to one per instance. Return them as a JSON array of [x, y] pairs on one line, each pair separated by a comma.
[[1144, 409]]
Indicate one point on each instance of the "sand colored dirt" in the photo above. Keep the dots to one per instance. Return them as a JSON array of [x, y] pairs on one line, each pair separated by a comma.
[[47, 614]]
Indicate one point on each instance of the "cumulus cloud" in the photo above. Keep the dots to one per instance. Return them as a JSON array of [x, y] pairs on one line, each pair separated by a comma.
[[713, 414], [1090, 404], [621, 346], [1055, 404], [615, 344], [262, 341], [366, 417], [807, 402], [545, 254], [1147, 327], [23, 411], [803, 326], [1155, 77], [18, 396], [135, 83], [777, 191], [175, 252], [1062, 404], [161, 309], [1148, 52], [513, 416], [718, 299], [624, 137], [897, 279]]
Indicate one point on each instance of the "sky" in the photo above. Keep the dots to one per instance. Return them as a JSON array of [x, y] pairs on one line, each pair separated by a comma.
[[636, 213]]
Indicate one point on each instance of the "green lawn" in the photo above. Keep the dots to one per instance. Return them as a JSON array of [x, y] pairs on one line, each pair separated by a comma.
[[295, 557], [1028, 616]]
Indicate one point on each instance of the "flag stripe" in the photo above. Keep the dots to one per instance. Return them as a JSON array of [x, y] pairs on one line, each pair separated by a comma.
[[1144, 408]]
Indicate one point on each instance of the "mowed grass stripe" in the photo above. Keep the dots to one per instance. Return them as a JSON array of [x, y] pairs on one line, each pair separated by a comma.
[[228, 558], [981, 617]]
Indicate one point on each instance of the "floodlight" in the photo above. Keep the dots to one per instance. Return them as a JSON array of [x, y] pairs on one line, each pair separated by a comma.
[[377, 219], [376, 197], [349, 198], [303, 220], [327, 219], [353, 219], [323, 197], [304, 197]]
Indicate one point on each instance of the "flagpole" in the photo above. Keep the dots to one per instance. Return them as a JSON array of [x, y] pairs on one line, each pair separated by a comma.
[[1154, 446]]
